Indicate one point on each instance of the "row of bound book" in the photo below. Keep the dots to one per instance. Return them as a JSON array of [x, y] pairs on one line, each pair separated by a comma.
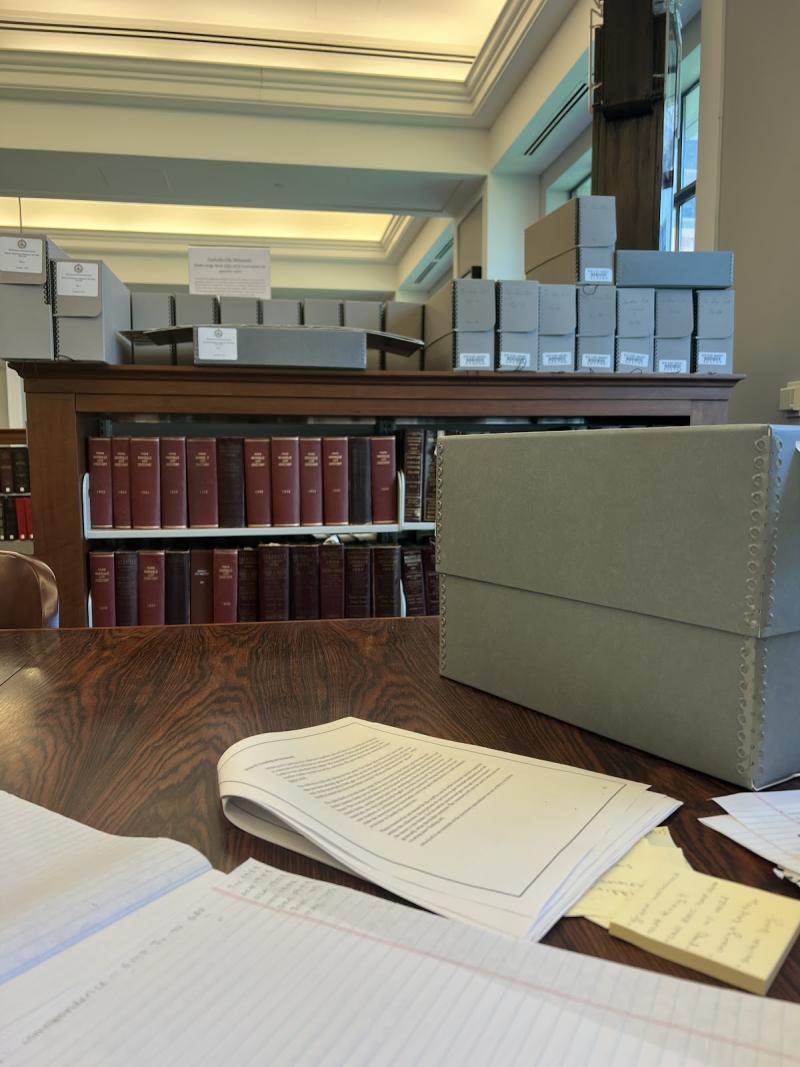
[[16, 519], [14, 469], [267, 583], [231, 482]]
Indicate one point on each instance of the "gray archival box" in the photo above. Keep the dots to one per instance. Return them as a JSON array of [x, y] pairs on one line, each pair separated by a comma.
[[642, 583], [26, 314]]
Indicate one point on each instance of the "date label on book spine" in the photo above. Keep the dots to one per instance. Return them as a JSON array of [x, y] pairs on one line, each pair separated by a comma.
[[634, 359], [21, 255], [515, 360], [712, 359], [556, 359], [216, 343], [596, 360], [598, 275], [673, 366], [77, 279], [475, 360]]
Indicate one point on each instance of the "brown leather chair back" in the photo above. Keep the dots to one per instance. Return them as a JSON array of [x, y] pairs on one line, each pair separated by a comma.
[[28, 593]]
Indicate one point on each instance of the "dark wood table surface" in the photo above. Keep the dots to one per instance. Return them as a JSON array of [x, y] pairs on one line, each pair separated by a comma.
[[122, 729]]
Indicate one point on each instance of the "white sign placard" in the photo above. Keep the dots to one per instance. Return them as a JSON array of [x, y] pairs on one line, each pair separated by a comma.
[[22, 255], [598, 274], [77, 279], [230, 272], [216, 343]]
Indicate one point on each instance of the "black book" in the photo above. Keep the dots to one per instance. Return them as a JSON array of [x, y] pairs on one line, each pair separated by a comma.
[[10, 510], [248, 585], [6, 471], [357, 582], [386, 581], [230, 482], [304, 583], [177, 585], [360, 471], [21, 470], [126, 587], [273, 582]]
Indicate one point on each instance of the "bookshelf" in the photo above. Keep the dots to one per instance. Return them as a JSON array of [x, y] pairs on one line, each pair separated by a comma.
[[14, 438], [66, 403]]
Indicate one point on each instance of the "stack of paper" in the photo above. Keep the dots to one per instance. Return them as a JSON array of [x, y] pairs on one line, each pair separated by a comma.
[[767, 824], [266, 967], [504, 841]]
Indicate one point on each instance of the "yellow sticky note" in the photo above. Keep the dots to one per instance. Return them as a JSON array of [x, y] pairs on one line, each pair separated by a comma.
[[729, 931]]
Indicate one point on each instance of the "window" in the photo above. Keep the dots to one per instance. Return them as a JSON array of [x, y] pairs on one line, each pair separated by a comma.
[[583, 188], [686, 170]]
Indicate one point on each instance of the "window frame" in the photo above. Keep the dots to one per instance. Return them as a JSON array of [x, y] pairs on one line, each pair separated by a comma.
[[683, 194]]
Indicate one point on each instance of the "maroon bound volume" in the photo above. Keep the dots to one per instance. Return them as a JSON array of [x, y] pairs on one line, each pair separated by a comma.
[[357, 582], [100, 491], [173, 483], [413, 449], [145, 483], [273, 582], [384, 479], [257, 481], [101, 571], [331, 581], [121, 481], [413, 580], [310, 481], [304, 582], [386, 581], [226, 584], [335, 482], [285, 481], [431, 579], [202, 585], [151, 587], [429, 477], [248, 585], [201, 470], [126, 582]]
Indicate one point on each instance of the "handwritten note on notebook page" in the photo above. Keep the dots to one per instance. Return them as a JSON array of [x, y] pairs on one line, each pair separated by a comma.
[[272, 968], [732, 932], [62, 880]]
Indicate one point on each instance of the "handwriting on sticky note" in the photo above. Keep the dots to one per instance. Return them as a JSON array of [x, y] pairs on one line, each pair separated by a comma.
[[732, 932]]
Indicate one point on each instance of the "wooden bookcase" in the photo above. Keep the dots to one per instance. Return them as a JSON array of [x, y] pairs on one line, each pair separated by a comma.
[[65, 401]]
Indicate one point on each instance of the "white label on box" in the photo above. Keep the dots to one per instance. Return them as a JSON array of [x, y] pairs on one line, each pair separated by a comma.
[[475, 360], [597, 360], [556, 359], [634, 359], [515, 360], [22, 255], [673, 366], [712, 359], [230, 272], [598, 274], [77, 279], [216, 343]]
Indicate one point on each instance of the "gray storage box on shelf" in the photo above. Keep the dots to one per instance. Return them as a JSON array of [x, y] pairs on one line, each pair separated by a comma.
[[193, 309], [642, 583], [517, 337], [26, 296], [239, 310], [460, 323], [713, 351], [366, 315], [90, 308], [152, 311], [574, 244], [678, 270], [405, 318]]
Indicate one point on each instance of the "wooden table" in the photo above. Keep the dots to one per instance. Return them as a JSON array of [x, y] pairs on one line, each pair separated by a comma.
[[122, 729]]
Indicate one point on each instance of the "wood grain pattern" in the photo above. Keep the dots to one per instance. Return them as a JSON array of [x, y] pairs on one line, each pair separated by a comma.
[[122, 729], [11, 436]]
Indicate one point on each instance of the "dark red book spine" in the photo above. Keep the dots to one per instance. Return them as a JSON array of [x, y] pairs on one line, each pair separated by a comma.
[[100, 490], [357, 582], [413, 450], [273, 582], [7, 469], [151, 587], [258, 481], [331, 581], [285, 481], [310, 481], [386, 581], [248, 585], [304, 582], [335, 480], [145, 483], [360, 481], [126, 582], [384, 479], [174, 513], [226, 584], [101, 574], [431, 580], [413, 580], [177, 585], [201, 598], [230, 478], [121, 481], [201, 471]]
